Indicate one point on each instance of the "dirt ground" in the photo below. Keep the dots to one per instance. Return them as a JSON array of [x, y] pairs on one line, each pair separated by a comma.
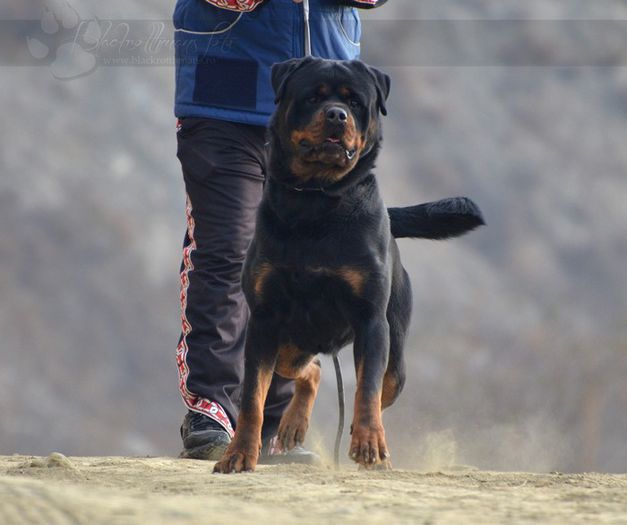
[[116, 490]]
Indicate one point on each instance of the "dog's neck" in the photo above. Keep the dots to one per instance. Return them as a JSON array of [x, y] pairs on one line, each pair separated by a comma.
[[309, 205], [282, 175]]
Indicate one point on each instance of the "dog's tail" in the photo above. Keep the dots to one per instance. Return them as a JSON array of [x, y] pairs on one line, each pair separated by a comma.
[[436, 220]]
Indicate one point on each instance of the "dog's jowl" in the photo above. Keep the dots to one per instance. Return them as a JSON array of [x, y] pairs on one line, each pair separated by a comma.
[[324, 269]]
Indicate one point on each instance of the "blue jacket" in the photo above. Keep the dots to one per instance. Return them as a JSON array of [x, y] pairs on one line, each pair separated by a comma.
[[223, 57]]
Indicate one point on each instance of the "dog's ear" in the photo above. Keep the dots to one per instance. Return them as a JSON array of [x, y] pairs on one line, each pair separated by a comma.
[[282, 72], [383, 83], [380, 80]]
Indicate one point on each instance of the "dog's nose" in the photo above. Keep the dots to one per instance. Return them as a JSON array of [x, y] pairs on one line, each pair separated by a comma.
[[337, 115]]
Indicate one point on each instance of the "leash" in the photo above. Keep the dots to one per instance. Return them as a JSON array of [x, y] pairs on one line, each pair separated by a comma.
[[340, 402], [336, 362]]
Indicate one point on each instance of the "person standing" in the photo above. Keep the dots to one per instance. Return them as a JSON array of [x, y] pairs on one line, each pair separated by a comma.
[[224, 99]]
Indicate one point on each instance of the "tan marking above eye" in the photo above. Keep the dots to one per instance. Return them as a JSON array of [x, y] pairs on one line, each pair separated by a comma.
[[345, 91], [323, 90]]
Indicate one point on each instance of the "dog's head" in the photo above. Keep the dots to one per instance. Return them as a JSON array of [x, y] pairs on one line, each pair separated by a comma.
[[328, 115]]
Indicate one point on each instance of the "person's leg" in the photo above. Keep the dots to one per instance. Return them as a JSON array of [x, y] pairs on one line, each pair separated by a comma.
[[223, 171]]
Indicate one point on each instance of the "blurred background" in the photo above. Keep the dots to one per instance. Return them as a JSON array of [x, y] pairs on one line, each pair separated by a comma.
[[517, 357]]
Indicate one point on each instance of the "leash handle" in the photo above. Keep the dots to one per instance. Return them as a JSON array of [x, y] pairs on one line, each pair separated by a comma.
[[307, 28]]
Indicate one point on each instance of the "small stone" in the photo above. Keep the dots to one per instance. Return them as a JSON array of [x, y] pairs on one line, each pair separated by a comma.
[[58, 460]]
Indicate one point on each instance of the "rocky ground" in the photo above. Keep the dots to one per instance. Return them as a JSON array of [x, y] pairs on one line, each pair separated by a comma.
[[115, 490]]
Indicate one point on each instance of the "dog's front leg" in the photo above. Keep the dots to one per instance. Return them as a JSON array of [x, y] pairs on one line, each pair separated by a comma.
[[243, 452], [371, 347]]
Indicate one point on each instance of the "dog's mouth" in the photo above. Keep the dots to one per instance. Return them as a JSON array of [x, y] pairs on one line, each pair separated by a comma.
[[332, 150]]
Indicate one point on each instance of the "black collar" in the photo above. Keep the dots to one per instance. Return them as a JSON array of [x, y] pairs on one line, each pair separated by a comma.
[[320, 189]]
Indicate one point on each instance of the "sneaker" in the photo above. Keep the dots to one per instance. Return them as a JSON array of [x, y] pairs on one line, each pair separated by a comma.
[[203, 438], [272, 454]]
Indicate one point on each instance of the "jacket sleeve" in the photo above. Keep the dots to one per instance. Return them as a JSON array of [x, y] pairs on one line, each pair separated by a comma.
[[243, 6]]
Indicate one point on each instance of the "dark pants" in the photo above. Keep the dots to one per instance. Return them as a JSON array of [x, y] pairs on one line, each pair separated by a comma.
[[223, 168]]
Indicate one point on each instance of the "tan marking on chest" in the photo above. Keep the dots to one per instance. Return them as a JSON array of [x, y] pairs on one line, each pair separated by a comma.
[[260, 276], [355, 277]]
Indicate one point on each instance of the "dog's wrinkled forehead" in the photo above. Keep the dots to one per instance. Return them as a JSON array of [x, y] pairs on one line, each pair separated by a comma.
[[298, 75], [333, 74]]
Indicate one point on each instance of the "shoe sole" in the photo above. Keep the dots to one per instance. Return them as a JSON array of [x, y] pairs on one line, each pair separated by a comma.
[[204, 452]]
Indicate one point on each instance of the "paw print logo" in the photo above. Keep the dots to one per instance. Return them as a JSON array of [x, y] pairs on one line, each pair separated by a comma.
[[66, 41]]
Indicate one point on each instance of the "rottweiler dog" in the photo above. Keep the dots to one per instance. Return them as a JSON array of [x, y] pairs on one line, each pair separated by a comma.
[[324, 269]]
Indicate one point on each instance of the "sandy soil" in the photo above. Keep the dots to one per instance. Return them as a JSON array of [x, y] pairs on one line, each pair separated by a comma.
[[114, 490]]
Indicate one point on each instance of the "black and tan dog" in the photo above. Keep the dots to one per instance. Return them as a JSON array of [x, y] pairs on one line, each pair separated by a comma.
[[324, 269]]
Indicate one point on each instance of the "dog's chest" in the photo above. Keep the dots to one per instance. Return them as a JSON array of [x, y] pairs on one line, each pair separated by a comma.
[[311, 288], [311, 304]]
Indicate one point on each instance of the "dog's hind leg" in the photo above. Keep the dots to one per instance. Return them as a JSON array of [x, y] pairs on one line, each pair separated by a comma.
[[293, 364], [398, 315], [394, 378]]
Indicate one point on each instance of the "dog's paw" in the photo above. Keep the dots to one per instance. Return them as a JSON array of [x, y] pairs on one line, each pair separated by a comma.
[[368, 447], [235, 461], [385, 464], [292, 429]]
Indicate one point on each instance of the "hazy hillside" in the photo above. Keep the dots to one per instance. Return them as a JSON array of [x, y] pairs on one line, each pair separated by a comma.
[[518, 351]]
